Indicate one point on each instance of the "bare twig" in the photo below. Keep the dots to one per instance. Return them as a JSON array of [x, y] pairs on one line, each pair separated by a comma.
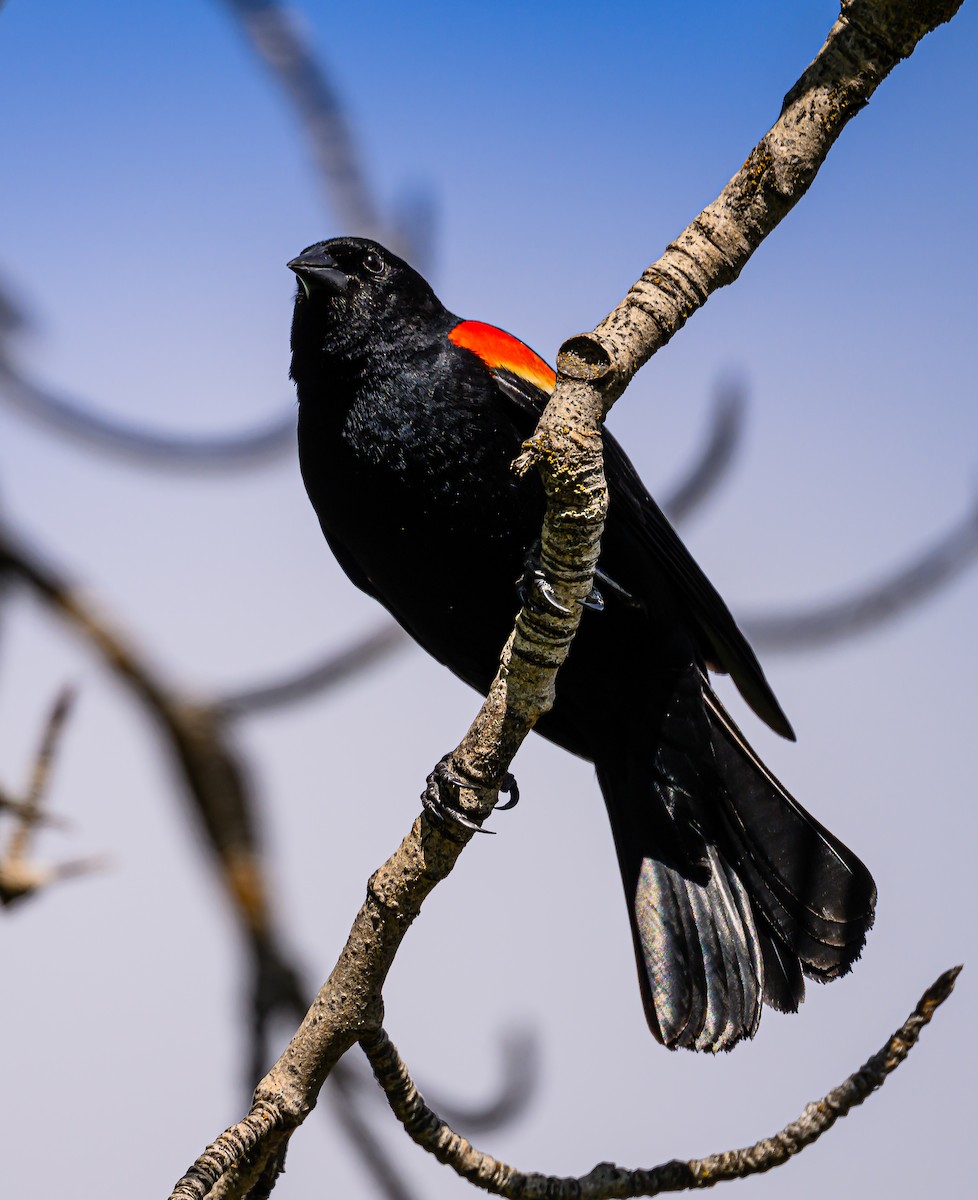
[[862, 47], [891, 597], [609, 1182]]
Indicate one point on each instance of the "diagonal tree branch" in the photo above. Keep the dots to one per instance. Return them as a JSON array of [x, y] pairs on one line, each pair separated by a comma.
[[862, 47], [607, 1181]]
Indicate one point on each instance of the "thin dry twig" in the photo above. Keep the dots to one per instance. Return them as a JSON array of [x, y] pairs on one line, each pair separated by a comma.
[[863, 46], [607, 1181]]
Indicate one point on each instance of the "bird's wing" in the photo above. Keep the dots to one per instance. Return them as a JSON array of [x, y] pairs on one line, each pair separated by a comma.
[[637, 527], [354, 572], [636, 522]]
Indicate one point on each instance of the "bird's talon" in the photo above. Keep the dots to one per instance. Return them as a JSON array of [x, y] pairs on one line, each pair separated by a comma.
[[510, 787], [431, 797], [537, 592], [594, 600]]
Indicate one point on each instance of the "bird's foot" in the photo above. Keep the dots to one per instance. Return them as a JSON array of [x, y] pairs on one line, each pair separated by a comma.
[[537, 592], [441, 810]]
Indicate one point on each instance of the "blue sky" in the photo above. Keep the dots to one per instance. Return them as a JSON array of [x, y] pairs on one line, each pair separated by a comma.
[[155, 184]]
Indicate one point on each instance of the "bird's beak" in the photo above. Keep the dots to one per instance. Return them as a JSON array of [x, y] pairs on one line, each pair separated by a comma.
[[317, 269]]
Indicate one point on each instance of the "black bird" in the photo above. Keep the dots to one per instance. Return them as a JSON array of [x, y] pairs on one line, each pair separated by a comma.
[[409, 421]]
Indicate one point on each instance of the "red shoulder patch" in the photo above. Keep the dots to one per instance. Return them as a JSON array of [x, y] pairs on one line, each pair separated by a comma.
[[500, 351]]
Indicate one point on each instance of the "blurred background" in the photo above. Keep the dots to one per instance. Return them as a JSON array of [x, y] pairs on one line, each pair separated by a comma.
[[156, 180]]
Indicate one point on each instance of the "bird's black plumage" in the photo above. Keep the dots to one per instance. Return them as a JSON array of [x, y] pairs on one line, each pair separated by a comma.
[[409, 421]]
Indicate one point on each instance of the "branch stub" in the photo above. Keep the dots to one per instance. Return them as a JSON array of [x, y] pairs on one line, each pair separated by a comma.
[[584, 357]]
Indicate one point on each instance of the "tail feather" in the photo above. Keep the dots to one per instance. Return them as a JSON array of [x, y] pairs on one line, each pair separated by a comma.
[[698, 956], [735, 891], [814, 893], [784, 984]]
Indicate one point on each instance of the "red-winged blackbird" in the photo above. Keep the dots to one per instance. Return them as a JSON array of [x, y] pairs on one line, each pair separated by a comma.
[[409, 421]]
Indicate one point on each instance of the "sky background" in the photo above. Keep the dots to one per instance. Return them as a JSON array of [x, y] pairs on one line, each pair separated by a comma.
[[154, 184]]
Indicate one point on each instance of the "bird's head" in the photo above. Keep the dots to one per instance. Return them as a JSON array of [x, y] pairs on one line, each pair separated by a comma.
[[354, 293]]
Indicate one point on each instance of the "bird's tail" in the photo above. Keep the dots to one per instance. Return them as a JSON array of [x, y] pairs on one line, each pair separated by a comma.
[[735, 891]]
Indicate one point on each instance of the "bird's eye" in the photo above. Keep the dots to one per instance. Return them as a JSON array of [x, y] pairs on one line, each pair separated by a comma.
[[374, 263]]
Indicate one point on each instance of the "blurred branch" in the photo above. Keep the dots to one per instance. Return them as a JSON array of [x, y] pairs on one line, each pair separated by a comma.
[[521, 1070], [216, 783], [167, 451], [13, 319], [715, 457], [336, 668], [30, 811], [608, 1180], [872, 606], [19, 877], [274, 35], [214, 778], [346, 1099]]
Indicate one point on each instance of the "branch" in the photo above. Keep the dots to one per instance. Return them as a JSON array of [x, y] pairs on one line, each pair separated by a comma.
[[607, 1181], [875, 604], [593, 370]]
